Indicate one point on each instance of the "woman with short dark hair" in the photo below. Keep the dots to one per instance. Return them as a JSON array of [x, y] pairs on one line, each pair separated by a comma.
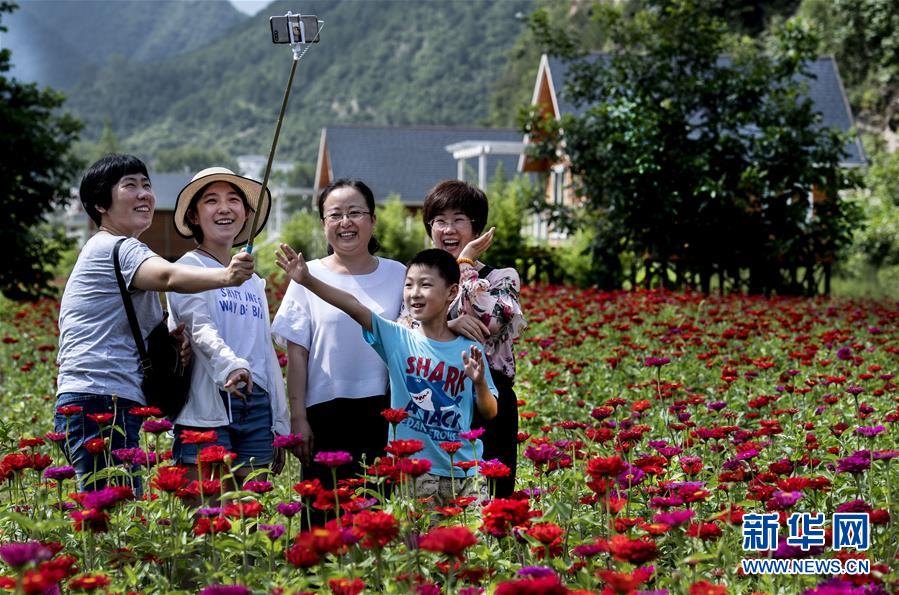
[[100, 376], [487, 309]]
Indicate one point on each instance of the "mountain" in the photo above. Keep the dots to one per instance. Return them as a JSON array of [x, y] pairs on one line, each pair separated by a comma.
[[59, 42], [379, 62]]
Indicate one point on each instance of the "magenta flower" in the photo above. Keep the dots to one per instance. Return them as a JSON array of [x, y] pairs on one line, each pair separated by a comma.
[[273, 531], [656, 362], [334, 459], [20, 554], [853, 464], [57, 473], [786, 499], [869, 431], [287, 441], [289, 509], [225, 590], [258, 487], [855, 390], [471, 435], [675, 518], [630, 476], [157, 426]]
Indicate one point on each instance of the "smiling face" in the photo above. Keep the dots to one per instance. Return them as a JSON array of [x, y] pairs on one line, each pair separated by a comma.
[[451, 230], [348, 222], [426, 294], [220, 213], [131, 211]]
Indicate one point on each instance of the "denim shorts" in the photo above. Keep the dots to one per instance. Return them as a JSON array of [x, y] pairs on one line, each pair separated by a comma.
[[249, 435], [79, 429]]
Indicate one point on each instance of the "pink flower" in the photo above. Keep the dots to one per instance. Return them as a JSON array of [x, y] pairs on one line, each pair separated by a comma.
[[472, 434], [334, 459]]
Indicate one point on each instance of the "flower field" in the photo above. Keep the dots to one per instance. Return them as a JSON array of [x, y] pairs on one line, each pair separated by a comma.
[[651, 423]]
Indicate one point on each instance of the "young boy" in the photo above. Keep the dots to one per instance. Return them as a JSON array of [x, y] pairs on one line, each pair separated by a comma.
[[435, 375]]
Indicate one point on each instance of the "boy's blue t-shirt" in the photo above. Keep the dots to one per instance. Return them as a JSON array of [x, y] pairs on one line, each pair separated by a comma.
[[427, 379]]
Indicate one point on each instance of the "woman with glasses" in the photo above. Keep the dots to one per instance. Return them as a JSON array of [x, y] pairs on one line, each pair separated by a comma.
[[487, 309], [336, 383]]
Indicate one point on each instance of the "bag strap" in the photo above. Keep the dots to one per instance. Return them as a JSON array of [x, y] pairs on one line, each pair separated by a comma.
[[129, 310]]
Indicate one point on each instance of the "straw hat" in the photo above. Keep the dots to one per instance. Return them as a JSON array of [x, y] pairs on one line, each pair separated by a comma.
[[209, 175]]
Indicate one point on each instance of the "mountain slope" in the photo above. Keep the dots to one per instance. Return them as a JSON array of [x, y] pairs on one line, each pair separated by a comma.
[[379, 62]]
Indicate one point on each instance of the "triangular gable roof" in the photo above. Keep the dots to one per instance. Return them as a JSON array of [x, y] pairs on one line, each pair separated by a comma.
[[403, 160], [825, 89]]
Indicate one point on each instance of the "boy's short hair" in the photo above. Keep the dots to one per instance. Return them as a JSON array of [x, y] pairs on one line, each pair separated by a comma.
[[439, 260], [456, 195], [102, 176]]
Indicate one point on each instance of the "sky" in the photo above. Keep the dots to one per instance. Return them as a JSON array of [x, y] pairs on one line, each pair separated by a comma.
[[250, 7]]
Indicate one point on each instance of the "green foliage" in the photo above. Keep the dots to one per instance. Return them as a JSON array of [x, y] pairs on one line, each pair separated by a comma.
[[35, 170], [509, 201], [191, 158], [698, 164], [379, 62], [304, 234], [862, 36], [400, 234]]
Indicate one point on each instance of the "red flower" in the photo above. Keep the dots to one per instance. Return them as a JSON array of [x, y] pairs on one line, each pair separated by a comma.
[[450, 541], [380, 528], [450, 447], [194, 437], [635, 551], [544, 585], [545, 533], [704, 531], [29, 442], [216, 454], [395, 416], [500, 515], [345, 586], [404, 448], [100, 418], [308, 488], [205, 525], [707, 588], [494, 468], [89, 582], [95, 446], [244, 509], [605, 466], [169, 479], [69, 410], [414, 467], [145, 411]]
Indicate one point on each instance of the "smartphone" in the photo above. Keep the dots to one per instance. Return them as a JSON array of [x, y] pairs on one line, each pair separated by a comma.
[[305, 28]]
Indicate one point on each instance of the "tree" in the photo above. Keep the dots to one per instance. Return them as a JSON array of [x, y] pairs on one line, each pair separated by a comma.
[[401, 236], [191, 159], [36, 167], [697, 163]]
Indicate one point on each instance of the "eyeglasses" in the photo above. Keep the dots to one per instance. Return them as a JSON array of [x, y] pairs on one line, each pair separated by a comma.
[[355, 216], [441, 224]]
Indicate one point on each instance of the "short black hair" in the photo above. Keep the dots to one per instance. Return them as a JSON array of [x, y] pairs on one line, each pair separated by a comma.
[[102, 176], [459, 196], [439, 260], [362, 188], [192, 207]]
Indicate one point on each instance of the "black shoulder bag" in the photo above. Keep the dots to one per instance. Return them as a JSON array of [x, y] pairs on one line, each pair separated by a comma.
[[166, 382]]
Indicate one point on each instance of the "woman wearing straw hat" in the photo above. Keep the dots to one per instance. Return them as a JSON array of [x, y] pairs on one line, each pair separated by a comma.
[[236, 383], [99, 366]]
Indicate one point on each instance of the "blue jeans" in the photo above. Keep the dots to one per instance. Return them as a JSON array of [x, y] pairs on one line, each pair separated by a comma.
[[123, 433], [249, 435]]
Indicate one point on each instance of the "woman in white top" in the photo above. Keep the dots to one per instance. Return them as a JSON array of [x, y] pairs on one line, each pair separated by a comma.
[[236, 383], [336, 383]]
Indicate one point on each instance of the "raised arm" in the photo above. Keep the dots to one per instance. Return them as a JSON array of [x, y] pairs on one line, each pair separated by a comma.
[[158, 274], [295, 266]]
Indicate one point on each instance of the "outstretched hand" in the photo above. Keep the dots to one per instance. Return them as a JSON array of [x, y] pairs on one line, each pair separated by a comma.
[[473, 365], [478, 246], [293, 264]]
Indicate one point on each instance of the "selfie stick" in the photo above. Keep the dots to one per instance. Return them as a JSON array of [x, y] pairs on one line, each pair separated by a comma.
[[298, 51]]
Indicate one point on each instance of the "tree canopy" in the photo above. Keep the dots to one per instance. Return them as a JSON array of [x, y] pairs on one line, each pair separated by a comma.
[[35, 170], [698, 152]]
